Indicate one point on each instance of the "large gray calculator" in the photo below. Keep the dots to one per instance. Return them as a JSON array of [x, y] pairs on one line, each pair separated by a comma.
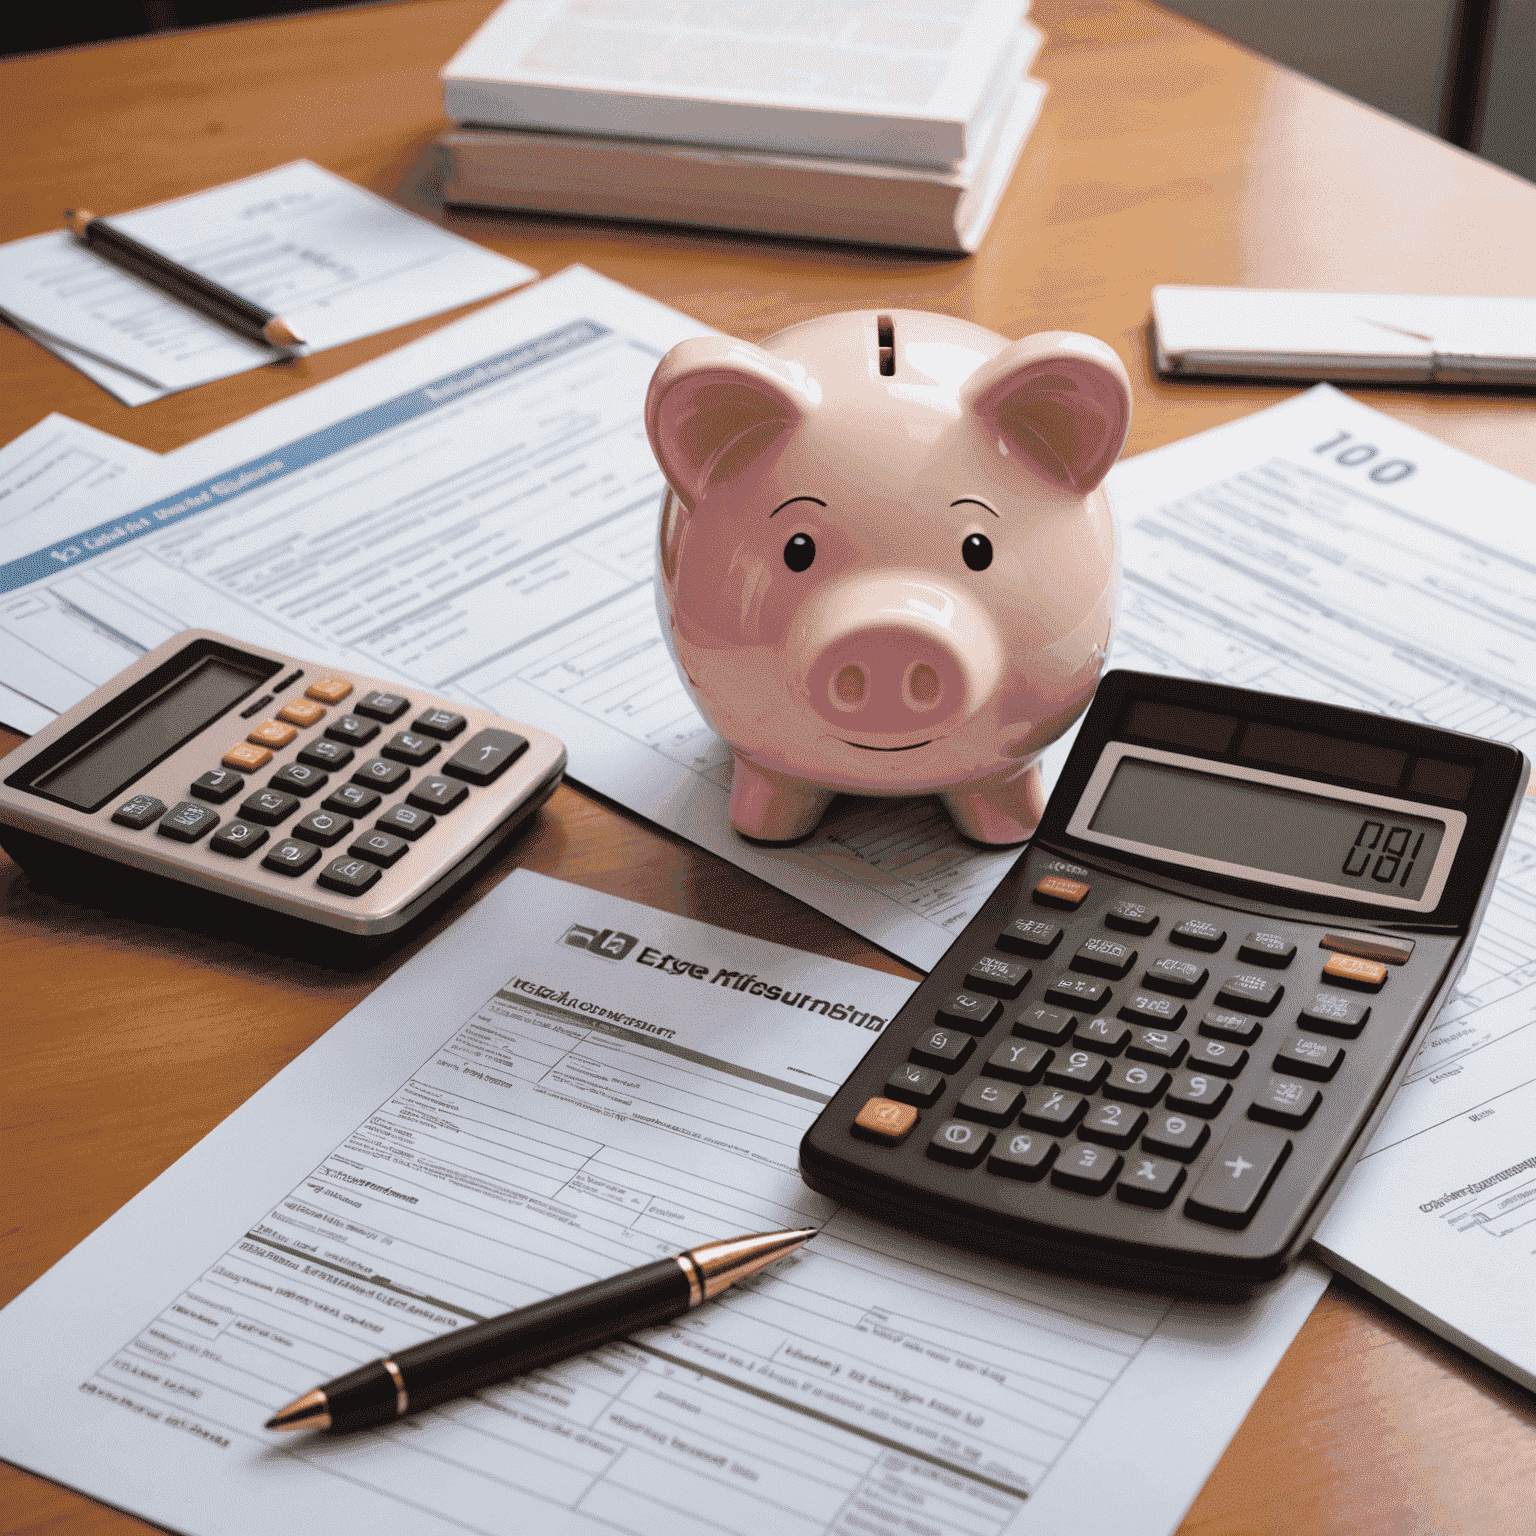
[[1158, 1049], [215, 777]]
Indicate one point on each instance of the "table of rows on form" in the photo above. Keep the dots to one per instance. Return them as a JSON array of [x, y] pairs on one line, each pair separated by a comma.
[[540, 1148]]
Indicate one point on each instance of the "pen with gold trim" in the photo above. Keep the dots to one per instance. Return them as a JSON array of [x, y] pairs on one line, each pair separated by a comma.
[[484, 1353], [179, 282]]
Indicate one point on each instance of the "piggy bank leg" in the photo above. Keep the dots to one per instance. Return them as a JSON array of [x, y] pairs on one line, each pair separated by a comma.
[[998, 811], [769, 808]]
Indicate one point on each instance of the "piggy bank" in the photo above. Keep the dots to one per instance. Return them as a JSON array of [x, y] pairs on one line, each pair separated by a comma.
[[887, 564]]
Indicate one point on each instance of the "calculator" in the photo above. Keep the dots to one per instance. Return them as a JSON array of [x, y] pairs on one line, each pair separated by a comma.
[[269, 798], [1160, 1046]]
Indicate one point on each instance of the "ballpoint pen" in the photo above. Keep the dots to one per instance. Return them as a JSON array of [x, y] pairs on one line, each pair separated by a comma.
[[484, 1353]]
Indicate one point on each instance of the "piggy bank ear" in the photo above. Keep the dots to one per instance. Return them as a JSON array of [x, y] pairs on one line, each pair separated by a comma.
[[715, 404], [1061, 400]]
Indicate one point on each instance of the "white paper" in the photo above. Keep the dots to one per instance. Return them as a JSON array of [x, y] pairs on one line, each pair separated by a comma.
[[509, 1116], [49, 464], [329, 256]]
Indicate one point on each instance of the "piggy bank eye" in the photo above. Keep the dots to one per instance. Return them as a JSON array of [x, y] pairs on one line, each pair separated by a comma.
[[977, 550], [800, 551]]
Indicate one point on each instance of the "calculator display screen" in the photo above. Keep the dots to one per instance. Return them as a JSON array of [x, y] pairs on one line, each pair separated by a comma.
[[134, 744], [1334, 842]]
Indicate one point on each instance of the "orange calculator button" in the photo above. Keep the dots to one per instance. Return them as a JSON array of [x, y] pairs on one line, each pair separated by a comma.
[[273, 733], [1368, 975], [1058, 891], [246, 758], [329, 690], [302, 711], [885, 1120]]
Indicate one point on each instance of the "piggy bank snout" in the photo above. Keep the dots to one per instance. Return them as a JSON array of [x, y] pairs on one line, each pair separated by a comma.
[[893, 659]]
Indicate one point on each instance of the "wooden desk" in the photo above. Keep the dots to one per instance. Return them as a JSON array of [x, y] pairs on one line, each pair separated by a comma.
[[1163, 155]]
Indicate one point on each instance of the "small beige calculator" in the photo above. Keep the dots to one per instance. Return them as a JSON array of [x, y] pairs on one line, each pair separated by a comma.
[[260, 787]]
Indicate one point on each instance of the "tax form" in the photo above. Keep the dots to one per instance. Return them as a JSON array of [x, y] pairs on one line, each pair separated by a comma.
[[52, 463], [331, 257], [564, 1085]]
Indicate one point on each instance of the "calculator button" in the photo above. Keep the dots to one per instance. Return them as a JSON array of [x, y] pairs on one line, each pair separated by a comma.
[[1029, 936], [353, 730], [1049, 1025], [959, 1143], [965, 1010], [1018, 1061], [351, 876], [322, 827], [989, 1103], [291, 857], [440, 723], [998, 976], [1023, 1156], [299, 778], [1150, 1181], [217, 785], [328, 690], [1053, 1111], [1180, 1136], [1369, 946], [187, 821], [1330, 1014], [1262, 948], [1086, 1169], [406, 748], [1196, 933], [1238, 1177], [1112, 1125], [273, 733], [913, 1084], [1179, 978], [1238, 1027], [323, 753], [1104, 957], [382, 774], [302, 712], [238, 838], [1140, 1008], [381, 848], [1286, 1102], [435, 794], [1303, 1056], [1131, 917], [1132, 1083], [246, 758], [1248, 993], [382, 706], [1157, 1045], [1219, 1056], [1352, 971], [1199, 1093], [945, 1049], [139, 812], [351, 800], [1082, 1070], [1058, 891], [884, 1120], [486, 756], [405, 821], [269, 806], [1106, 1036], [1079, 992]]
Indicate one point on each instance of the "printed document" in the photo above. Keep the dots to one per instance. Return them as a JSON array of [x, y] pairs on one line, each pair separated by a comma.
[[333, 258], [563, 1086]]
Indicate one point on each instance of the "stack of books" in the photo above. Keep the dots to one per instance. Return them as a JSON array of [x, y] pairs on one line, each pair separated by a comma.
[[885, 122]]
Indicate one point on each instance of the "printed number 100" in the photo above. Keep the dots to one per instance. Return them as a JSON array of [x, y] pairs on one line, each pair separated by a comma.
[[1388, 472]]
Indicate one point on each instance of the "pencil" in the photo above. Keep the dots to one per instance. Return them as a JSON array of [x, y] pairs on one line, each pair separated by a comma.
[[181, 283]]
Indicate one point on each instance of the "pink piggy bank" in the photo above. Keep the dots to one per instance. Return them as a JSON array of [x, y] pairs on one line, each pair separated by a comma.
[[887, 563]]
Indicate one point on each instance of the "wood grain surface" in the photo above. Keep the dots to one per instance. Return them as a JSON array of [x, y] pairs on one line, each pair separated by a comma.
[[1163, 155]]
